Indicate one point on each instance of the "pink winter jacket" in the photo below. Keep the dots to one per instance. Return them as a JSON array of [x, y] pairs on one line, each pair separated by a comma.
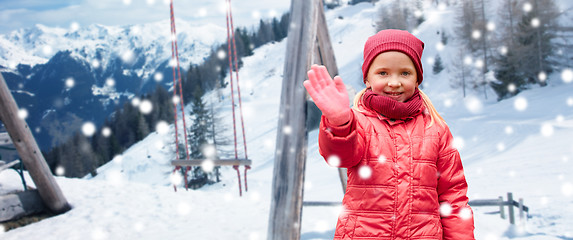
[[414, 169]]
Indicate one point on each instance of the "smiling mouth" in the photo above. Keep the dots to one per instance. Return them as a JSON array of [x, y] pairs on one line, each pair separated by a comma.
[[393, 94]]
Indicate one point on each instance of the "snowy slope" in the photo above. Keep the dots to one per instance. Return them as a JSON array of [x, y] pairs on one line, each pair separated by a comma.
[[520, 145]]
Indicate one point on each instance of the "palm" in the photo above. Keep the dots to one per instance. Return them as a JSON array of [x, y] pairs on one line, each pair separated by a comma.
[[329, 95]]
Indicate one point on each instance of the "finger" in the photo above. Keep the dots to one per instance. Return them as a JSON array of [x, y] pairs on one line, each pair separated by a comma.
[[310, 89], [339, 84], [319, 80], [313, 79], [323, 73]]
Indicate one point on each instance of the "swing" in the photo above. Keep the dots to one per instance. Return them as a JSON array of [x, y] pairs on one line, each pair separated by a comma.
[[187, 163]]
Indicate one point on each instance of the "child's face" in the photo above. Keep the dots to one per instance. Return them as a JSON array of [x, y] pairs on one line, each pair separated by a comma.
[[392, 74]]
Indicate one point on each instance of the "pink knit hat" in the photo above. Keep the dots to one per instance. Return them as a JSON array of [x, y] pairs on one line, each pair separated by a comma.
[[393, 40]]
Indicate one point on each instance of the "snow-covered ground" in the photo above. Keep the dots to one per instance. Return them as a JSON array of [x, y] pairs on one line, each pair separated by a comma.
[[521, 145]]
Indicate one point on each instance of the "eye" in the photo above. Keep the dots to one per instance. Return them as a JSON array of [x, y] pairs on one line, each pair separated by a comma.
[[383, 73], [405, 73]]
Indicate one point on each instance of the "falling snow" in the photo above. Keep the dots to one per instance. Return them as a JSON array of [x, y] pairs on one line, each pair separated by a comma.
[[88, 129], [520, 104], [567, 75]]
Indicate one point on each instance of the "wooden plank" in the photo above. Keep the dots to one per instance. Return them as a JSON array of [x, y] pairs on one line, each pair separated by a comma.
[[17, 205], [216, 162], [30, 153], [4, 165], [5, 139], [292, 138]]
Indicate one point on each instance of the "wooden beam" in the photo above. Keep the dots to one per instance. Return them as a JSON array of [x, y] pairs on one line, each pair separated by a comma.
[[30, 153], [216, 162], [326, 57], [292, 139]]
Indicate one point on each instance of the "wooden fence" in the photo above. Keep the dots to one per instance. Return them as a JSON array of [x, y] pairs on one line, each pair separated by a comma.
[[510, 203]]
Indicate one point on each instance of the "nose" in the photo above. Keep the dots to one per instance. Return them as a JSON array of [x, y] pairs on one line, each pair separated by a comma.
[[393, 82]]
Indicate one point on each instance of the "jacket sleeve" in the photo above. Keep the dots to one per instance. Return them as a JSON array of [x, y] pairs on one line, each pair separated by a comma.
[[452, 190], [343, 142]]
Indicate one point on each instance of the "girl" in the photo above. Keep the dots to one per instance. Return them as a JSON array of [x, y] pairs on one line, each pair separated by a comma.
[[405, 179]]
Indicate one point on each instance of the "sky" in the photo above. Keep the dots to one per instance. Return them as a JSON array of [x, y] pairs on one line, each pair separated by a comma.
[[16, 14]]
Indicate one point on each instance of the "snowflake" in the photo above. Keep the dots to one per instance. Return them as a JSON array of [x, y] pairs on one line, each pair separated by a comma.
[[127, 2], [468, 60], [88, 129], [150, 2], [176, 178], [110, 82], [202, 12], [508, 130], [74, 26], [503, 50], [567, 75], [382, 159], [445, 209], [158, 77], [162, 127], [430, 60], [256, 14], [440, 46], [146, 107], [333, 161], [542, 76], [570, 101], [221, 54], [23, 113], [47, 50], [476, 34], [500, 146], [466, 213], [458, 143], [106, 131], [544, 201], [209, 150], [547, 130], [490, 26], [473, 104], [511, 88], [535, 22], [365, 172], [255, 196], [128, 56], [60, 171], [520, 104], [287, 130], [527, 7], [117, 159], [175, 99], [96, 63], [307, 185], [70, 82]]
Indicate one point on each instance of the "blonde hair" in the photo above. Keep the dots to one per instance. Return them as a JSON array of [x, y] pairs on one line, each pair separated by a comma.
[[434, 115]]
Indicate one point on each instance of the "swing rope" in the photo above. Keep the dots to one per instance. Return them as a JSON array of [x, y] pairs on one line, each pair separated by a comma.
[[233, 62], [177, 83]]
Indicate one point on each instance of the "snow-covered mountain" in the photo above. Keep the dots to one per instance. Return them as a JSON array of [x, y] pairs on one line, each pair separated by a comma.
[[59, 75], [520, 145], [98, 44]]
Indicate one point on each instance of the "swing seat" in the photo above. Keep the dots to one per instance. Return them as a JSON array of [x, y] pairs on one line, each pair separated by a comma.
[[216, 162]]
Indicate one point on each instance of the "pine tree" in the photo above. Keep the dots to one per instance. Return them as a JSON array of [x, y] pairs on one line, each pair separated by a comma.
[[438, 66]]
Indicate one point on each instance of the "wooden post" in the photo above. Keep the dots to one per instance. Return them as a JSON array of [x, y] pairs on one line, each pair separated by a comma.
[[30, 153], [291, 145], [510, 208], [521, 210], [501, 208], [326, 57]]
